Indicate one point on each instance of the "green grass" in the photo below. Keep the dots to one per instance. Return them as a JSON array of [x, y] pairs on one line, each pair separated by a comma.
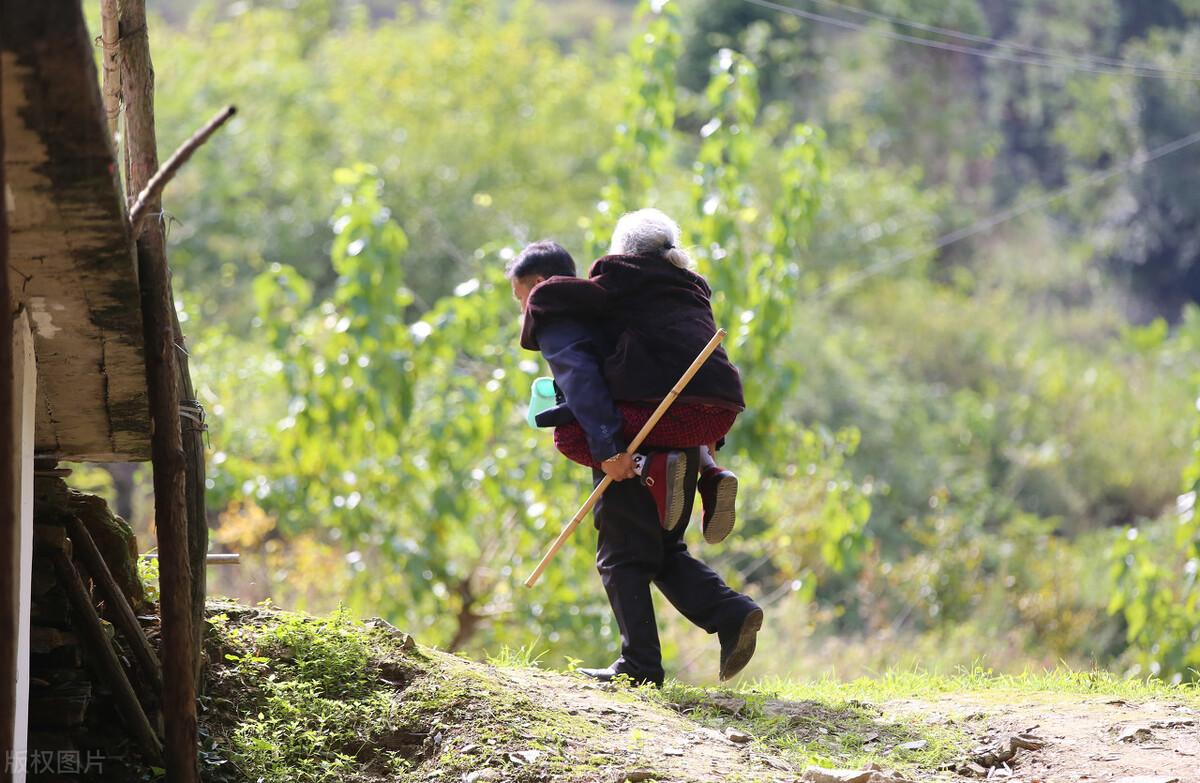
[[296, 698], [306, 699], [820, 727], [902, 684]]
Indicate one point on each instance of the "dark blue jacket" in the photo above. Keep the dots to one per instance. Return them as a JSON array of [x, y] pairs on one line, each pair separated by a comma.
[[653, 317], [575, 352]]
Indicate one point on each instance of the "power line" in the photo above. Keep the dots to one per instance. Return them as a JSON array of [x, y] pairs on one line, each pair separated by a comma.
[[1089, 59], [990, 222], [990, 54]]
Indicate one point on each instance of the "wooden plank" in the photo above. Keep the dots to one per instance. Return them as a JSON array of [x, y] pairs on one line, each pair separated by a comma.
[[71, 255]]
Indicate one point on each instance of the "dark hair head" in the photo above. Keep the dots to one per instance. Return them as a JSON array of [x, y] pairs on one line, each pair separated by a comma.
[[541, 259]]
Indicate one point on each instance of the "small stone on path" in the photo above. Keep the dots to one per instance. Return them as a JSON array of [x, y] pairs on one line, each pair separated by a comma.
[[634, 776], [525, 756], [915, 745], [482, 776], [1136, 734], [735, 735]]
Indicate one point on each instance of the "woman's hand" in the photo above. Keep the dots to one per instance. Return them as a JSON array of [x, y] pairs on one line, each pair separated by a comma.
[[618, 467]]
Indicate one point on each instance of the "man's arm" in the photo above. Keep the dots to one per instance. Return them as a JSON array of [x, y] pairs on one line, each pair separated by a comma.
[[571, 352]]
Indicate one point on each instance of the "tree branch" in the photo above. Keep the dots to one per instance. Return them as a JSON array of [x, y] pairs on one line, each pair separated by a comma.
[[153, 189]]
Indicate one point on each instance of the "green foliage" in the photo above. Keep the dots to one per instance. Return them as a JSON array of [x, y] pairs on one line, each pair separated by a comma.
[[481, 126], [306, 694], [147, 568], [1156, 576], [937, 447]]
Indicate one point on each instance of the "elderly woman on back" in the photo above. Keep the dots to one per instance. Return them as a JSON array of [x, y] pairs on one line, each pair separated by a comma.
[[655, 315]]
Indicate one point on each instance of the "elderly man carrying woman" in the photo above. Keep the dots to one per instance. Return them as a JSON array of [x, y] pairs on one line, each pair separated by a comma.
[[616, 341]]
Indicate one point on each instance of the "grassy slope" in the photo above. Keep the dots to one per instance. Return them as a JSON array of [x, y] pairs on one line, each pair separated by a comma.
[[299, 698]]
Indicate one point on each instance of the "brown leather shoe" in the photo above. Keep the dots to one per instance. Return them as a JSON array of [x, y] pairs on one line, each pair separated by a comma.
[[718, 494], [737, 646]]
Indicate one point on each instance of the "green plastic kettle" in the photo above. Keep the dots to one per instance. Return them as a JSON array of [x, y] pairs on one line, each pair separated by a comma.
[[541, 398]]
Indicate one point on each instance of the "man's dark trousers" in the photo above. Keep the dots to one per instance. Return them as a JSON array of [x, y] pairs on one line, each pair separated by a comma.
[[633, 550]]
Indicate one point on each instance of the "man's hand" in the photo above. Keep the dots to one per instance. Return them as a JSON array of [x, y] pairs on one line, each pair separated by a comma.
[[618, 467]]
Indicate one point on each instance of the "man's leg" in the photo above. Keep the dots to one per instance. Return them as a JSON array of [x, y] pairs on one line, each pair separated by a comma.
[[692, 587], [628, 555]]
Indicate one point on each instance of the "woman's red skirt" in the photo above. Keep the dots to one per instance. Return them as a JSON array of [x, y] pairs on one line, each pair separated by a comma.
[[685, 425]]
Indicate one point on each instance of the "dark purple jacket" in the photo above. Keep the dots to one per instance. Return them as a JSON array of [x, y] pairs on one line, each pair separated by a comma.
[[655, 319]]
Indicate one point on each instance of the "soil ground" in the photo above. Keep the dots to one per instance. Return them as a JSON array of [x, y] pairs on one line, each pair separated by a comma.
[[339, 700], [1087, 738]]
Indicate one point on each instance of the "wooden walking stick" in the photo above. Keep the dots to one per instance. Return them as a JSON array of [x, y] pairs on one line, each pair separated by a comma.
[[641, 436]]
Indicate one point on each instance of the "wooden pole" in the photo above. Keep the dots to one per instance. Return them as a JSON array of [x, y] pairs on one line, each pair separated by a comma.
[[10, 531], [637, 441], [122, 612], [111, 64], [101, 652], [179, 635]]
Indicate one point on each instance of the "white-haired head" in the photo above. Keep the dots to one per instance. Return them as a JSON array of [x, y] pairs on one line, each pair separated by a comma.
[[649, 232]]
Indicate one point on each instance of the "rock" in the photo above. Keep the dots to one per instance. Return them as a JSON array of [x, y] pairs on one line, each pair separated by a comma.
[[822, 775], [633, 776], [525, 756], [406, 641], [672, 751], [735, 735], [1148, 779], [1136, 734], [482, 775], [55, 502], [43, 640], [915, 745]]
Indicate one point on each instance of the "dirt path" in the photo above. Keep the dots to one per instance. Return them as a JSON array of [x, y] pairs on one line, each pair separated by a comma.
[[1088, 738], [644, 741]]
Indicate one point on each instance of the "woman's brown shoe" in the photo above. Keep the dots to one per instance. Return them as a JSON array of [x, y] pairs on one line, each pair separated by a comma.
[[718, 494]]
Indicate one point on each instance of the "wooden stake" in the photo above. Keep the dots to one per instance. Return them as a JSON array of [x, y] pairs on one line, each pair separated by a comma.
[[641, 436], [181, 752], [123, 616], [101, 652], [153, 190], [111, 63]]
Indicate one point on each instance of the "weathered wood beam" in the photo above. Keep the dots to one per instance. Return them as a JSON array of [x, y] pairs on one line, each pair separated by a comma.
[[101, 653], [179, 634], [10, 533], [122, 612]]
